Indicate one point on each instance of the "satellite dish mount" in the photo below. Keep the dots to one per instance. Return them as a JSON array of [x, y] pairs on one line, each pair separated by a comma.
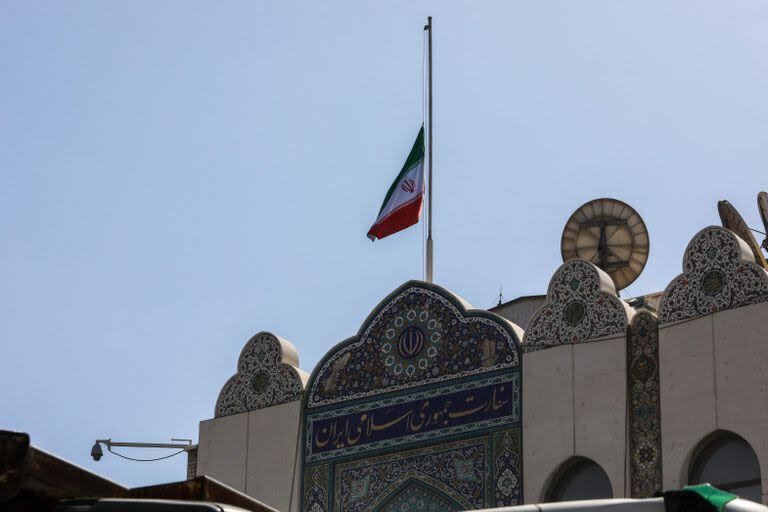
[[610, 234]]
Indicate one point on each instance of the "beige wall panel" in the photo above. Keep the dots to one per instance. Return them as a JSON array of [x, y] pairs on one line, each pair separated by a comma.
[[222, 449], [600, 400], [741, 373], [521, 310], [686, 372], [547, 416], [272, 436]]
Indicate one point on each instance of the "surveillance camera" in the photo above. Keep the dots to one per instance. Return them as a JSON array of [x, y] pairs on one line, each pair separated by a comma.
[[96, 451]]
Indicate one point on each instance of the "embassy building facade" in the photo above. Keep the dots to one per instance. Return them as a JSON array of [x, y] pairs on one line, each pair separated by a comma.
[[436, 406]]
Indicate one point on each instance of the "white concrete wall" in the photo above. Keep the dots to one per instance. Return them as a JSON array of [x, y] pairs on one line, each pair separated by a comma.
[[272, 451], [548, 426], [687, 393], [714, 376], [222, 449], [600, 402], [574, 404], [254, 452]]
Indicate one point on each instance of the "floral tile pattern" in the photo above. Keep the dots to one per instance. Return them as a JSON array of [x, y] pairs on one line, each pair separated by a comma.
[[719, 273], [407, 414], [263, 378], [417, 337], [581, 305]]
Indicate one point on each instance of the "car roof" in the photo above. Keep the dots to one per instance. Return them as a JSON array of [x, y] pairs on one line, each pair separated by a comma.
[[139, 505]]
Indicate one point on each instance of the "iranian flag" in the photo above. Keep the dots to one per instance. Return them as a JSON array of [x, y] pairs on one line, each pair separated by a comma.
[[402, 204]]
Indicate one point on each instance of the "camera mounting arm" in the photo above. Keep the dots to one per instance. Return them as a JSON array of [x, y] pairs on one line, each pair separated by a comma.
[[97, 453]]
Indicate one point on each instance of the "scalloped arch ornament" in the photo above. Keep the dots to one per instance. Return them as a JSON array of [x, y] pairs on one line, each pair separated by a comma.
[[267, 375], [581, 305], [719, 273], [420, 334]]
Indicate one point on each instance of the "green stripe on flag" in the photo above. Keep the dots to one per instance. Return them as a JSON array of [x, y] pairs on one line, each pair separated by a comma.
[[416, 154], [713, 495], [697, 498]]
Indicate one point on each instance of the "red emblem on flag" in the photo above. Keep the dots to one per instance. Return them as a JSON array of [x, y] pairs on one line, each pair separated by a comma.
[[408, 185]]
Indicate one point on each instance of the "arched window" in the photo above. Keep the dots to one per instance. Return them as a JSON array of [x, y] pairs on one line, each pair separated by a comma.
[[579, 479], [726, 461]]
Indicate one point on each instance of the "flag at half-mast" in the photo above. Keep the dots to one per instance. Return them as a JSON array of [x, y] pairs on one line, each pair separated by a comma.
[[402, 204]]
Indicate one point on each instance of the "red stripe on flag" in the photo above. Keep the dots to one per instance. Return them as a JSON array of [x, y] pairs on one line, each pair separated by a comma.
[[404, 216]]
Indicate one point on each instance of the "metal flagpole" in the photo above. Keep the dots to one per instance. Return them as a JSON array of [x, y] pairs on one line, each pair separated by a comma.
[[428, 28]]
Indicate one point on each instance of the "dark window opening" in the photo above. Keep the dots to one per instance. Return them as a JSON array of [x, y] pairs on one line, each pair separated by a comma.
[[730, 464], [581, 479]]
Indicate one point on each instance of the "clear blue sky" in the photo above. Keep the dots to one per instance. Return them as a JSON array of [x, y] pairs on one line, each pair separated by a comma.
[[176, 176]]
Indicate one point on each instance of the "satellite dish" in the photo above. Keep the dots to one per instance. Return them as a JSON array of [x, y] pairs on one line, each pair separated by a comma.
[[731, 219], [610, 234], [762, 205]]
